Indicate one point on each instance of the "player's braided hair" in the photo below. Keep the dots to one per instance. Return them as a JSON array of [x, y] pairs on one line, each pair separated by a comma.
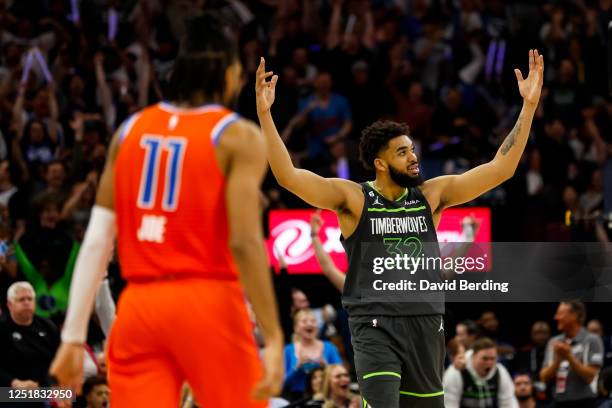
[[375, 137], [206, 51]]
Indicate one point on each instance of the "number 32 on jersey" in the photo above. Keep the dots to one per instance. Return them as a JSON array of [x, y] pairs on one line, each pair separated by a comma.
[[153, 227]]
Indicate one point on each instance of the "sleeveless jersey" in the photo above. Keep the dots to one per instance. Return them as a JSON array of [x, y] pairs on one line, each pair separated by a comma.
[[170, 195], [388, 230], [479, 396]]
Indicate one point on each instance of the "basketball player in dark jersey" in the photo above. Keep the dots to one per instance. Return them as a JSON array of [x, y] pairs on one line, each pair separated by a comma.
[[398, 343]]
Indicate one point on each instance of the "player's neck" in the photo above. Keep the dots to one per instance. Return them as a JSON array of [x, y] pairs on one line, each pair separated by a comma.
[[198, 99], [387, 189]]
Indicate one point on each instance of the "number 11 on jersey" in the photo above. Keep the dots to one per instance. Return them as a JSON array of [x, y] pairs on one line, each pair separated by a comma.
[[153, 227], [149, 179]]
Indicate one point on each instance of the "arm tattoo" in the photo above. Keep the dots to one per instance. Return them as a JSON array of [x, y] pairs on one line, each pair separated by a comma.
[[511, 138]]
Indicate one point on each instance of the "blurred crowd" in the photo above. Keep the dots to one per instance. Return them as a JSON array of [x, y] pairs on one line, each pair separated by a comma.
[[71, 71]]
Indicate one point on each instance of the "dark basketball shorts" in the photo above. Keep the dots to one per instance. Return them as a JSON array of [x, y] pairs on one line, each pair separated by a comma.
[[399, 360]]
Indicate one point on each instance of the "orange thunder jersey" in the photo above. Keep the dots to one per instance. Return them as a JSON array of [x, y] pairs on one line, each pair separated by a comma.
[[170, 194]]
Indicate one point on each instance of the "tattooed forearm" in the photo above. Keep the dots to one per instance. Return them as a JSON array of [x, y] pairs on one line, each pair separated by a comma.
[[511, 138]]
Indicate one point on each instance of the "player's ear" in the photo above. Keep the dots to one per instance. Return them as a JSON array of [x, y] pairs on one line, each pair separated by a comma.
[[380, 164]]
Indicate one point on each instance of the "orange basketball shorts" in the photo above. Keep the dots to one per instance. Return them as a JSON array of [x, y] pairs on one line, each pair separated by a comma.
[[192, 330]]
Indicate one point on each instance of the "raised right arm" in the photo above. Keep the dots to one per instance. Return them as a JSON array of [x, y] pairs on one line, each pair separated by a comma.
[[327, 193]]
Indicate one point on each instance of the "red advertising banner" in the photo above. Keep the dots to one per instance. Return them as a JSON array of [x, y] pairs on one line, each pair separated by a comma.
[[290, 236]]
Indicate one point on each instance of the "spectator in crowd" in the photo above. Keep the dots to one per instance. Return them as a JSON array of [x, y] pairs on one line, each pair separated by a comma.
[[7, 186], [46, 256], [530, 358], [467, 332], [594, 326], [336, 388], [305, 353], [328, 118], [96, 392], [27, 342], [482, 383], [490, 328], [313, 396], [456, 353], [573, 359], [523, 390]]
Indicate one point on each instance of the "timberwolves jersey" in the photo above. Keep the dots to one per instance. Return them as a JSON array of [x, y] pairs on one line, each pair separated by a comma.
[[387, 256]]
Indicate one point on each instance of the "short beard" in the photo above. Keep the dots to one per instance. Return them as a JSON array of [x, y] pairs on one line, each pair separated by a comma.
[[403, 179], [523, 398]]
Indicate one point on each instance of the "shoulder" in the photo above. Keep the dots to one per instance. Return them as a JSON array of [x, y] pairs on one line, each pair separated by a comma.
[[329, 346], [45, 323], [242, 135], [593, 339], [243, 130]]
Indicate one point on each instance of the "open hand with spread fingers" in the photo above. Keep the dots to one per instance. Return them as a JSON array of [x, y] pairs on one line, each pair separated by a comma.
[[264, 89], [531, 87]]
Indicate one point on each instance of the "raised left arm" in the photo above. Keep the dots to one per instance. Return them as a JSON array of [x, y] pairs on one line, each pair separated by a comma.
[[458, 189]]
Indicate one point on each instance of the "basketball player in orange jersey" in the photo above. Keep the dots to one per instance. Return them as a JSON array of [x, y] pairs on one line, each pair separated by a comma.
[[181, 190]]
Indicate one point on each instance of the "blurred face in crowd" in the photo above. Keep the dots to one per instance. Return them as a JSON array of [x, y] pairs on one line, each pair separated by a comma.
[[76, 86], [360, 75], [464, 337], [49, 216], [323, 84], [596, 181], [55, 176], [415, 92], [300, 58], [523, 388], [595, 327], [566, 71], [555, 129], [12, 55], [484, 361], [37, 133], [565, 318], [339, 382], [316, 382], [289, 77], [305, 326], [570, 198], [489, 322], [98, 397], [40, 105], [300, 301], [453, 100], [540, 333], [5, 174], [22, 307], [535, 161]]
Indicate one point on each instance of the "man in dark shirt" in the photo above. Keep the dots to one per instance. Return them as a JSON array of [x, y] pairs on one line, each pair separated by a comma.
[[27, 342]]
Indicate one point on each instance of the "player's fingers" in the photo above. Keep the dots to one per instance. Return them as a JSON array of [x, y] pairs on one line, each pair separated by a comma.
[[273, 81], [262, 66], [262, 76], [541, 63], [519, 76]]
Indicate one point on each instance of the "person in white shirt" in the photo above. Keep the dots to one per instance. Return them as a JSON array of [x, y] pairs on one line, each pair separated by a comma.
[[483, 383]]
